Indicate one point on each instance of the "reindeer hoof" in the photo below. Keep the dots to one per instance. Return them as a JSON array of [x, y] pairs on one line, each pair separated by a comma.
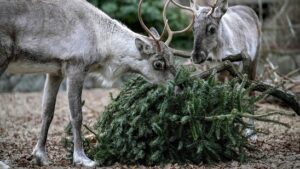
[[251, 134], [253, 138], [84, 161], [3, 165], [40, 157]]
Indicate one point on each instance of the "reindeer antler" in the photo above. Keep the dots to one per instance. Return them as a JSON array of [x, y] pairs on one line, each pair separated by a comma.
[[167, 28], [213, 8], [171, 33], [156, 39], [181, 53]]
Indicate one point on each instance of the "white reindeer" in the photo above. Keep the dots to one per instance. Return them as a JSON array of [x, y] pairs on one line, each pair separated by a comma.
[[71, 38], [221, 31]]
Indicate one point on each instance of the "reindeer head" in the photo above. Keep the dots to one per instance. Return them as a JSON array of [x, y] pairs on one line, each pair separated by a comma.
[[155, 66], [158, 55], [206, 30]]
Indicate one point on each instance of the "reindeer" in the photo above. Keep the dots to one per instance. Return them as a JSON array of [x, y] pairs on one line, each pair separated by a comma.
[[72, 39], [220, 31]]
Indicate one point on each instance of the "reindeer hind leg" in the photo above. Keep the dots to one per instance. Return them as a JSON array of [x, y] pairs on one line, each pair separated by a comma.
[[49, 99]]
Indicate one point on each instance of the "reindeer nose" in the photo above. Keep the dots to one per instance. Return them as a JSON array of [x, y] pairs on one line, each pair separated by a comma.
[[199, 57]]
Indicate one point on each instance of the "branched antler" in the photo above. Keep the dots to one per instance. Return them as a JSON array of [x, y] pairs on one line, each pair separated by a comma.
[[213, 8], [167, 29], [171, 33], [156, 39], [181, 53]]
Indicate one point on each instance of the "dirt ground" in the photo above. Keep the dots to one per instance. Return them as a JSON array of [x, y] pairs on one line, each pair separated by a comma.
[[20, 121]]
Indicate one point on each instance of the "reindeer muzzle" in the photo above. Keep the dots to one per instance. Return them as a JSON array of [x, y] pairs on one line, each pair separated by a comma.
[[199, 57]]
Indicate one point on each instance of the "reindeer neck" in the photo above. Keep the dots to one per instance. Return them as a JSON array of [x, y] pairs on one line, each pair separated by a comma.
[[115, 40]]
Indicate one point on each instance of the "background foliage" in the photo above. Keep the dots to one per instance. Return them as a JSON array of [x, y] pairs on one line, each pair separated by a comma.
[[126, 12]]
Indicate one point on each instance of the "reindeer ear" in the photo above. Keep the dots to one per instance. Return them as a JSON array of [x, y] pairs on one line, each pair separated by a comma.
[[221, 9], [223, 6], [154, 32], [194, 5], [143, 47]]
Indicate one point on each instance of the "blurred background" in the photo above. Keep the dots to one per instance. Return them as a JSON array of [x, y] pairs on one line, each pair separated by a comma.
[[281, 30]]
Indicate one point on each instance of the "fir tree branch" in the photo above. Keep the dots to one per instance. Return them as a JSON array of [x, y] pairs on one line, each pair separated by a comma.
[[225, 66], [247, 115], [273, 121], [257, 118], [219, 117], [90, 130], [287, 97]]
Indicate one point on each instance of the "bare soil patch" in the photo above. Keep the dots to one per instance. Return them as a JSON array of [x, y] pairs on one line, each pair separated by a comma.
[[20, 124]]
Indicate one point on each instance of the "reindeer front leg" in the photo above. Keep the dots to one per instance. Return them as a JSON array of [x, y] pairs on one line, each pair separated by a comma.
[[249, 68], [75, 81], [49, 98]]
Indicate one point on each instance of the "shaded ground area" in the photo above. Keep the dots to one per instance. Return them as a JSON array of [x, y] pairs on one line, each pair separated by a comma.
[[20, 120]]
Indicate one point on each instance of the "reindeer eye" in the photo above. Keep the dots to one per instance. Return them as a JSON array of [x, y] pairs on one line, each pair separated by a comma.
[[159, 65], [212, 30]]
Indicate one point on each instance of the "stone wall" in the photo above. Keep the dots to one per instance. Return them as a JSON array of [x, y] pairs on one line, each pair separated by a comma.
[[22, 83]]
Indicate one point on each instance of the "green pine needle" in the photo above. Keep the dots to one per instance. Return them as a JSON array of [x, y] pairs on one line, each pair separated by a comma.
[[152, 125]]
